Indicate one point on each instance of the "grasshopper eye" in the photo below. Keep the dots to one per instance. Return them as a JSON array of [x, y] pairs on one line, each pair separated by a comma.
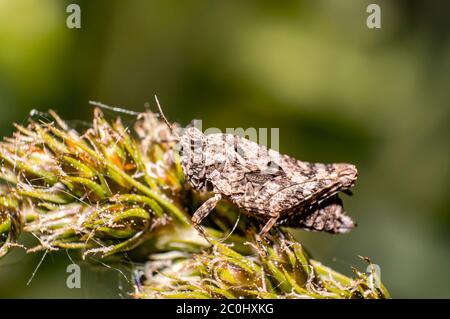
[[239, 150]]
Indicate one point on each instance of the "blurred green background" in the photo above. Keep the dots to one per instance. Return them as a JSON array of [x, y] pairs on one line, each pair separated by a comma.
[[338, 91]]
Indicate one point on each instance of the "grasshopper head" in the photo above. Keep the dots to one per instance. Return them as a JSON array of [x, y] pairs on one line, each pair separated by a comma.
[[192, 148]]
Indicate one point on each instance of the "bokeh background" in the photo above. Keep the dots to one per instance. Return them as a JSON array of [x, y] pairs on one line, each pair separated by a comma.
[[338, 91]]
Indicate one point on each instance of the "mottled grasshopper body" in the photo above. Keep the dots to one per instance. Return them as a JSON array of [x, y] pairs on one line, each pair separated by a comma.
[[275, 188]]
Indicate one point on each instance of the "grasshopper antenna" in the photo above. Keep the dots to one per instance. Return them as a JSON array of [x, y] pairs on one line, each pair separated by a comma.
[[172, 129], [113, 108]]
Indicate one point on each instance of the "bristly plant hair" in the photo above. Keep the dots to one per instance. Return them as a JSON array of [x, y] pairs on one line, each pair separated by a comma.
[[171, 127]]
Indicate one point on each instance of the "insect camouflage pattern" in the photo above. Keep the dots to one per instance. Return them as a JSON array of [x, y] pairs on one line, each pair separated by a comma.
[[275, 188]]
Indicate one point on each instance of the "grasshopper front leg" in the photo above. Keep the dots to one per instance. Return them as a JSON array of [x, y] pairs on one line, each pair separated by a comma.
[[202, 212]]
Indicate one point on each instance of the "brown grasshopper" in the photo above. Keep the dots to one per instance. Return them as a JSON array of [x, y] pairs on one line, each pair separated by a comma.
[[262, 183]]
